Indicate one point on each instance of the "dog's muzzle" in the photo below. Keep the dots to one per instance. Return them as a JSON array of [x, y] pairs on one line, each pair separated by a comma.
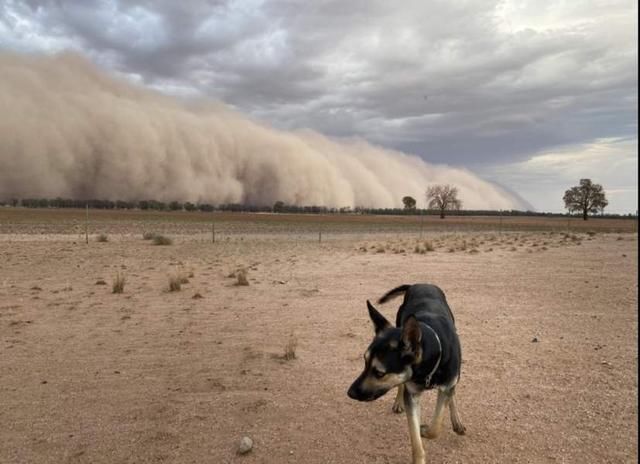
[[356, 393]]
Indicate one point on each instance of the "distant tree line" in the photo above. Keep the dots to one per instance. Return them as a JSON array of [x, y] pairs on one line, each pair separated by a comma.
[[278, 207]]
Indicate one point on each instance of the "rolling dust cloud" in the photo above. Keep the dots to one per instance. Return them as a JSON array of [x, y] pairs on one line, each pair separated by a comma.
[[68, 129]]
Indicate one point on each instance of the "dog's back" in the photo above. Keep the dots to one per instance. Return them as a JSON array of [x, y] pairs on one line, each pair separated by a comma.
[[429, 305], [420, 300]]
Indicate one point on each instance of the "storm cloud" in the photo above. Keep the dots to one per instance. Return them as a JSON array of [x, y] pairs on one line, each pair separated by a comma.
[[486, 85]]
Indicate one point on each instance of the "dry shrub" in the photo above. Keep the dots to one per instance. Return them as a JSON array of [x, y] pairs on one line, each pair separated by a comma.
[[175, 283], [290, 348], [148, 235], [428, 246], [161, 240], [118, 283], [102, 238], [241, 277]]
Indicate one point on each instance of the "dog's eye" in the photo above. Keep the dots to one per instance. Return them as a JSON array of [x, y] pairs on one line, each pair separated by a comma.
[[378, 374]]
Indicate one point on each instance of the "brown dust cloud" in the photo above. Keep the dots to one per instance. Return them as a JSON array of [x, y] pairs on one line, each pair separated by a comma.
[[69, 129]]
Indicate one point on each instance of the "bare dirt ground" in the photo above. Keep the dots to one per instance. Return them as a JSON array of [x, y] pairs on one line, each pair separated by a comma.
[[149, 375]]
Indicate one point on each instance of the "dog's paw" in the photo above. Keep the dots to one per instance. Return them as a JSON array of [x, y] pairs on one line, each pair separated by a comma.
[[426, 432], [397, 407], [459, 429]]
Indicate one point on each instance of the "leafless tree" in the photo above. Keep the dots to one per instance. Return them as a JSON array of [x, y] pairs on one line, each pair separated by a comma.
[[443, 198], [586, 198]]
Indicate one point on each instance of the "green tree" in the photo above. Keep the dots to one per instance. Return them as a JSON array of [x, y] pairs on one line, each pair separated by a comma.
[[409, 203], [586, 198]]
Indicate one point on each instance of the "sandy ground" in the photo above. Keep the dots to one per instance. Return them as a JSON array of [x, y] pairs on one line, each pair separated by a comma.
[[156, 376]]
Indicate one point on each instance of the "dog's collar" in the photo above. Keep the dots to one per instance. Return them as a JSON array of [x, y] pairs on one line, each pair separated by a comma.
[[427, 381]]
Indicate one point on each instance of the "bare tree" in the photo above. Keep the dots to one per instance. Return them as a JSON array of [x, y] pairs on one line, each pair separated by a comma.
[[443, 197], [409, 203], [586, 198]]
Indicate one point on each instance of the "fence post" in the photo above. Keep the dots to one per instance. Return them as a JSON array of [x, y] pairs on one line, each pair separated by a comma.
[[86, 225]]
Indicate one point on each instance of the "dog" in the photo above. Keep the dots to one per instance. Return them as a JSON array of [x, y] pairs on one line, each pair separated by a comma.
[[422, 352]]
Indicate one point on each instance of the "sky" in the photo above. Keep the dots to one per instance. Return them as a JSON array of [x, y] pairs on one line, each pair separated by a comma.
[[532, 95]]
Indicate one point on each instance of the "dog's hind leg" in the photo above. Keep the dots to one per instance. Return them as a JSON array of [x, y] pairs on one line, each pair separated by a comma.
[[455, 418], [398, 404], [432, 431], [412, 408]]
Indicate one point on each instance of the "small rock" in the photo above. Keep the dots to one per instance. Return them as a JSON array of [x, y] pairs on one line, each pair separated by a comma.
[[246, 445], [534, 340]]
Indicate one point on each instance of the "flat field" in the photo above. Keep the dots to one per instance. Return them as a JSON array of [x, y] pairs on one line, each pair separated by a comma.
[[545, 309]]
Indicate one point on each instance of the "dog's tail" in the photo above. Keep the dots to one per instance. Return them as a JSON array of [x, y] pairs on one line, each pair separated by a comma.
[[393, 293]]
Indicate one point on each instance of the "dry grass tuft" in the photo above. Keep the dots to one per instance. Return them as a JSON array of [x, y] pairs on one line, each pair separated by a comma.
[[241, 277], [148, 235], [161, 240], [175, 283], [290, 348], [118, 283]]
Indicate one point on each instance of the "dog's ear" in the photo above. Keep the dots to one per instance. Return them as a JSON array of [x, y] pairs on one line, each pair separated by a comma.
[[411, 340], [380, 323]]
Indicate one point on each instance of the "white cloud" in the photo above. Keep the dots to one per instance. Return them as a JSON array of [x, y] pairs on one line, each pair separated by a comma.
[[543, 178]]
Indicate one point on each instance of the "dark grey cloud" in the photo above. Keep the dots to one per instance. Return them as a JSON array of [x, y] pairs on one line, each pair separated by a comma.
[[473, 84]]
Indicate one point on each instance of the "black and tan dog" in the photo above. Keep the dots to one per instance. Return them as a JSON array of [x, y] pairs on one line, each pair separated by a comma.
[[421, 352]]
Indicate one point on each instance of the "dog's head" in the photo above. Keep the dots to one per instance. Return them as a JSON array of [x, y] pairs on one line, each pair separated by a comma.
[[389, 358]]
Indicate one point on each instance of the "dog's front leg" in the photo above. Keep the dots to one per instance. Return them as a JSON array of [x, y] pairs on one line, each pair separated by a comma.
[[398, 404], [412, 408]]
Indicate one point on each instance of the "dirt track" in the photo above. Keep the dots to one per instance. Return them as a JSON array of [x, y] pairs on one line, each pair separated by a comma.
[[152, 376]]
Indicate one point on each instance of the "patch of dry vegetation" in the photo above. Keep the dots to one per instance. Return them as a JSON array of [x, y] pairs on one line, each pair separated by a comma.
[[175, 282], [241, 277], [161, 240], [118, 283], [290, 348]]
